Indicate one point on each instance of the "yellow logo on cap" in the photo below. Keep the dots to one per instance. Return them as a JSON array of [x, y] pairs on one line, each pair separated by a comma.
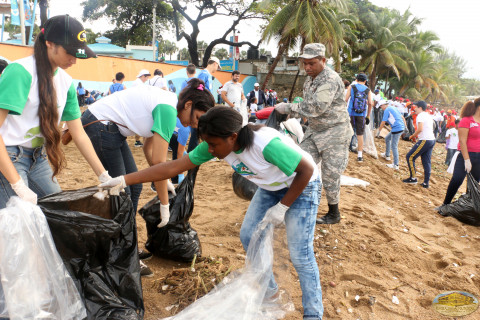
[[82, 36]]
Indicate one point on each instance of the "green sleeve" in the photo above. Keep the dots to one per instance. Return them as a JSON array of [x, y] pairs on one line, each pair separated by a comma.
[[71, 110], [164, 121], [283, 156], [15, 83], [200, 154]]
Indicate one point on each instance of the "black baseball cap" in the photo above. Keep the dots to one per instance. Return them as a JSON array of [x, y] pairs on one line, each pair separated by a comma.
[[361, 77], [70, 34], [421, 104]]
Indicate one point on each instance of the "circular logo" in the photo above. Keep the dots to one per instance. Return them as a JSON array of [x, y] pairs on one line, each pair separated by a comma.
[[455, 303]]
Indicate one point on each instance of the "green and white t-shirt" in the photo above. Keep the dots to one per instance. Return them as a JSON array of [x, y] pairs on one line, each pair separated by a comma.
[[270, 162], [141, 109], [19, 95]]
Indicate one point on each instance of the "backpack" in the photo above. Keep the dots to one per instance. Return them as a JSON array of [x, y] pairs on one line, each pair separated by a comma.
[[360, 100]]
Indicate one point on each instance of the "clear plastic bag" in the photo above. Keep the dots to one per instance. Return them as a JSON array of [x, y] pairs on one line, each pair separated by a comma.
[[369, 144], [353, 182], [241, 297], [34, 279]]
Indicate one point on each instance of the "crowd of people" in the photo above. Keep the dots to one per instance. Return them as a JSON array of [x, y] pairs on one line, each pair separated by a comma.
[[290, 175]]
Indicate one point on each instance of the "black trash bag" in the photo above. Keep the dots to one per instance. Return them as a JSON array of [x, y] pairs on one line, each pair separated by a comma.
[[97, 241], [467, 208], [177, 240], [242, 187], [410, 126], [275, 119], [441, 138]]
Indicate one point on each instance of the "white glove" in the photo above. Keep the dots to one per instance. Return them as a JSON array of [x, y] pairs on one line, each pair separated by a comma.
[[275, 215], [24, 192], [283, 108], [104, 177], [171, 187], [468, 165], [115, 185], [164, 214]]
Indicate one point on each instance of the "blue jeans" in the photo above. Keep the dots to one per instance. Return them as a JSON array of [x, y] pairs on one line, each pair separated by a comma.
[[391, 141], [424, 149], [450, 153], [32, 165], [459, 174], [113, 151], [300, 222]]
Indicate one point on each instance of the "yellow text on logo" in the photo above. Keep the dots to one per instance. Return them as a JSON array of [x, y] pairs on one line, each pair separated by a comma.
[[82, 36]]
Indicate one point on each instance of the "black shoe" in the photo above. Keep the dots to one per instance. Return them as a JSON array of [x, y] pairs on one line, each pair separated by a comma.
[[144, 255], [145, 270], [332, 216], [423, 184], [360, 159], [152, 186], [138, 144], [410, 180]]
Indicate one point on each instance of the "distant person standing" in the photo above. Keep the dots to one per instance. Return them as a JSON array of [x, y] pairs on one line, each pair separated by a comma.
[[329, 131], [452, 142], [191, 70], [158, 80], [81, 94], [232, 94], [171, 86], [118, 84], [360, 104], [206, 74], [398, 125], [424, 146], [142, 77], [259, 94]]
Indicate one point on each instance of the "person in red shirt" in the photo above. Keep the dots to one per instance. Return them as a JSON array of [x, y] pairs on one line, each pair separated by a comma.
[[468, 161]]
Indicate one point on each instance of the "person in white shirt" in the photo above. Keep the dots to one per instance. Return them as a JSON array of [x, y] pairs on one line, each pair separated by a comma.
[[232, 94], [253, 107], [452, 142], [142, 77], [424, 146], [158, 80]]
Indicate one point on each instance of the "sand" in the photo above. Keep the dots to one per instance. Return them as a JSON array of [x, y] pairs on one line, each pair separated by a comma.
[[389, 242]]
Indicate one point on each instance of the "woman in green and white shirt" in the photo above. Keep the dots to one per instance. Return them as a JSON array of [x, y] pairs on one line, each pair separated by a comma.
[[35, 95]]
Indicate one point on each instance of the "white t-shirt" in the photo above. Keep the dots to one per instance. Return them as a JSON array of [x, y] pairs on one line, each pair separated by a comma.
[[452, 133], [270, 162], [377, 98], [427, 120], [142, 109], [138, 82], [19, 95], [158, 81], [253, 107], [234, 92]]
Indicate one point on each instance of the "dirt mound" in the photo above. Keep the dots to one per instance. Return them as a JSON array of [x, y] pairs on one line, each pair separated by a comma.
[[390, 241]]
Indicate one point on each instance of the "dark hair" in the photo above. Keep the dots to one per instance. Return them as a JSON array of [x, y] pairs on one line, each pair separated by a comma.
[[158, 72], [3, 65], [170, 82], [211, 62], [346, 83], [80, 85], [235, 72], [119, 76], [222, 122], [47, 107], [191, 69], [457, 121], [469, 108], [196, 92], [254, 99]]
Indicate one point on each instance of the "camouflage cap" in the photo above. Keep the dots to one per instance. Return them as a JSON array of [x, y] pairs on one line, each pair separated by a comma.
[[313, 50]]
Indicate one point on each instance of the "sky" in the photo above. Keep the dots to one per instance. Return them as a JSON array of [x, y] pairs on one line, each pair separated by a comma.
[[453, 21]]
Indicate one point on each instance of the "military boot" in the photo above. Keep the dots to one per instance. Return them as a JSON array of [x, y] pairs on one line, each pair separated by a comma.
[[332, 216]]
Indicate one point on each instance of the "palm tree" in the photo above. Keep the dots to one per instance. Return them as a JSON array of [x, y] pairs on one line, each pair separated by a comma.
[[221, 54], [302, 22]]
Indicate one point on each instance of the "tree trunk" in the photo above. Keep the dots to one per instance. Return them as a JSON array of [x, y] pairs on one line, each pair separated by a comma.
[[281, 49], [385, 86], [372, 80], [43, 4]]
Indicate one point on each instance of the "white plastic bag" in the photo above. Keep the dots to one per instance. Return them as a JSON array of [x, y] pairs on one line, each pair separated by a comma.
[[369, 143], [241, 297], [242, 109], [34, 279], [451, 167], [353, 182]]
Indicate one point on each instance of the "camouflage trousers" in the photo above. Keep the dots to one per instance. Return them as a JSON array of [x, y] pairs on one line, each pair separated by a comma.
[[332, 161]]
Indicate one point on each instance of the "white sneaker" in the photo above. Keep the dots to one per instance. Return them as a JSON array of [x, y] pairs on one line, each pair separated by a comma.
[[384, 156], [392, 166]]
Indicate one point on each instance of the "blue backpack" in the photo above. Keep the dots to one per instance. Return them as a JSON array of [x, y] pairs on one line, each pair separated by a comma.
[[360, 99]]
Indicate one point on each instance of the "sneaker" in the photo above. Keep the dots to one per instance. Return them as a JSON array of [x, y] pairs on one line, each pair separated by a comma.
[[392, 166], [144, 255], [410, 180], [145, 270], [138, 144], [360, 159], [423, 184], [384, 156]]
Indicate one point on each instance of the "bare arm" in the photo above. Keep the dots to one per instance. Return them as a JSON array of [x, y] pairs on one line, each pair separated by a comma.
[[84, 145], [224, 98], [304, 172], [6, 165], [419, 130], [159, 155], [462, 137], [147, 150], [347, 96], [370, 104]]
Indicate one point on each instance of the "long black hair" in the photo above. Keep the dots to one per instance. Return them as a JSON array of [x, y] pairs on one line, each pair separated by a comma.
[[222, 122], [196, 92]]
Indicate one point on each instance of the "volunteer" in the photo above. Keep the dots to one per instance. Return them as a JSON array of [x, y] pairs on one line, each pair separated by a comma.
[[35, 95], [288, 182]]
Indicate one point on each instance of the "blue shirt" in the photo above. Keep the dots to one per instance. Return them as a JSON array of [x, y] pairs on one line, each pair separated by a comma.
[[185, 83], [116, 87], [360, 88], [393, 116], [81, 90], [183, 133], [207, 78]]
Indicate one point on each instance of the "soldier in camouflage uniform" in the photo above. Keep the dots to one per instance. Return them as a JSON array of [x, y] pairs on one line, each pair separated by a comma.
[[329, 130]]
